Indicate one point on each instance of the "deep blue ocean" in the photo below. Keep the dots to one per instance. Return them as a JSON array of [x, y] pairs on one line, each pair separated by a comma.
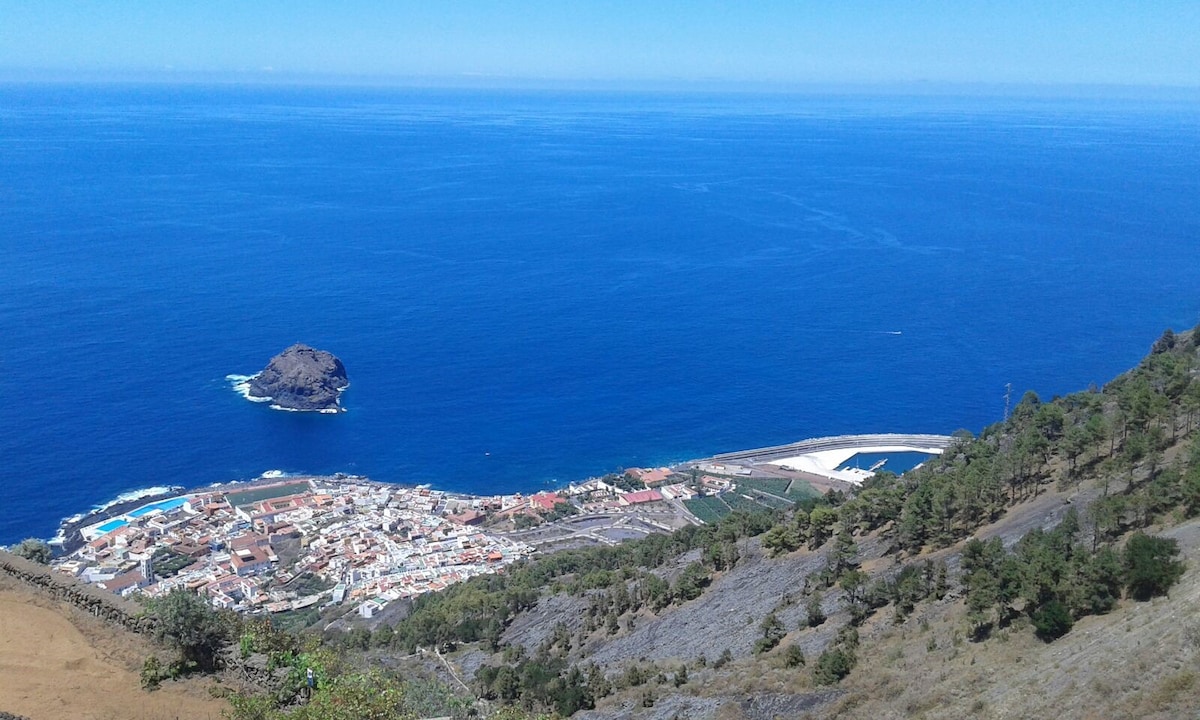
[[529, 288]]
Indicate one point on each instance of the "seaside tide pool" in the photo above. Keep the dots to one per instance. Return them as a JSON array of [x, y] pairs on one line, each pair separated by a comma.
[[530, 288], [895, 462]]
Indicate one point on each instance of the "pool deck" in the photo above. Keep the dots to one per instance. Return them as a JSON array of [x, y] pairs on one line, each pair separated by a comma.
[[822, 457], [104, 527], [828, 463]]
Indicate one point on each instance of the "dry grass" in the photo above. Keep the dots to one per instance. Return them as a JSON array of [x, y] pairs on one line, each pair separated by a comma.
[[58, 663], [1140, 661], [1137, 662]]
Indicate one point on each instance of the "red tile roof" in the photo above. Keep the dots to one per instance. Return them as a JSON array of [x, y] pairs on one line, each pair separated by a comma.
[[546, 501], [642, 496]]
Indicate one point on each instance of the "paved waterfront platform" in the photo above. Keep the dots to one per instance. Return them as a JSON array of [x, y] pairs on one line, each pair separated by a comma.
[[826, 456]]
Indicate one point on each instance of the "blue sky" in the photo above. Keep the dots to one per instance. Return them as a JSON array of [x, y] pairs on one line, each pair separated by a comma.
[[763, 41]]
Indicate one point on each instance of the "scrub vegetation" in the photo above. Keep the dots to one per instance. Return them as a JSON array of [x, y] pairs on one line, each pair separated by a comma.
[[1054, 515]]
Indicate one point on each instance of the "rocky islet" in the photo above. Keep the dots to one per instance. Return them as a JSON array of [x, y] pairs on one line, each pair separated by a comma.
[[301, 378]]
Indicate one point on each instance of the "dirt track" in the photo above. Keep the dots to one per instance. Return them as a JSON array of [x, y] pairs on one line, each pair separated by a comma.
[[58, 663]]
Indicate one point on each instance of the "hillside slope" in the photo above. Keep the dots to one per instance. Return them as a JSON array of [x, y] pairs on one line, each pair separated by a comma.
[[1048, 567], [1139, 661], [722, 627], [57, 663]]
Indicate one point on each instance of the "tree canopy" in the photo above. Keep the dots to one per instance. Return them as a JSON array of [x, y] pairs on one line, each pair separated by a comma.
[[33, 549], [1150, 565], [192, 627]]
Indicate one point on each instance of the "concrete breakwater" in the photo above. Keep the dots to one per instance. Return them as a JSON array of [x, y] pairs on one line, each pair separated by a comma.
[[98, 603], [837, 442]]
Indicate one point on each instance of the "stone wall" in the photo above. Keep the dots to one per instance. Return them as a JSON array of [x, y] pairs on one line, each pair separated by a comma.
[[118, 611], [89, 599]]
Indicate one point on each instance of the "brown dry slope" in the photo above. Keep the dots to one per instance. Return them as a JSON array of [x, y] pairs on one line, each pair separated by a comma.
[[57, 663], [1139, 662]]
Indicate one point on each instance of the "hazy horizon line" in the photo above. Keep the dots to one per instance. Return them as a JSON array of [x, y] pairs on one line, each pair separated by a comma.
[[483, 81]]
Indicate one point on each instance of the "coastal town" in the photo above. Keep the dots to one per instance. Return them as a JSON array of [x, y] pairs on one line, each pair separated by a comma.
[[282, 544]]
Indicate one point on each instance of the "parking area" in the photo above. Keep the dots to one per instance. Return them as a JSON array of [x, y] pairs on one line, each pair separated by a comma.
[[608, 528]]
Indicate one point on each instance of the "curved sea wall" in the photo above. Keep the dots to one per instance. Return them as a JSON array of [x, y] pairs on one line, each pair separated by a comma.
[[838, 442], [69, 530], [93, 601]]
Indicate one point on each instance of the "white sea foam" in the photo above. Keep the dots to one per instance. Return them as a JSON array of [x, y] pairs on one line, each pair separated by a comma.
[[323, 411], [275, 474], [137, 495], [124, 497], [241, 385]]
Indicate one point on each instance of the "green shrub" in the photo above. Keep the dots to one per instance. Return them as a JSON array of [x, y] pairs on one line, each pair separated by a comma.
[[833, 665], [1150, 565], [1052, 620], [814, 615], [35, 550], [190, 625], [793, 656], [152, 673], [725, 658]]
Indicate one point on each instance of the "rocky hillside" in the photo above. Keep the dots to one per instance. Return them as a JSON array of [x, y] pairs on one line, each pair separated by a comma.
[[1049, 566], [1046, 567]]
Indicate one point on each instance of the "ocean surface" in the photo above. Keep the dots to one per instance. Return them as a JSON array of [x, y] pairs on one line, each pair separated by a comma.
[[528, 288]]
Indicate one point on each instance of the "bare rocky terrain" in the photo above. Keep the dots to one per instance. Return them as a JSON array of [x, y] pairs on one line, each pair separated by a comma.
[[1139, 661]]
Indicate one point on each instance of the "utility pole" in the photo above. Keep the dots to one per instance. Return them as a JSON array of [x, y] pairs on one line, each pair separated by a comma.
[[1007, 399]]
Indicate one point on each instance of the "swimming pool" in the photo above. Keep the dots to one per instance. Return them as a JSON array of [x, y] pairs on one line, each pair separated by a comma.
[[163, 505], [897, 462], [112, 525]]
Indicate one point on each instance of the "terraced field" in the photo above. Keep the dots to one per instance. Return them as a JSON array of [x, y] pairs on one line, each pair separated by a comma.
[[708, 509], [751, 494]]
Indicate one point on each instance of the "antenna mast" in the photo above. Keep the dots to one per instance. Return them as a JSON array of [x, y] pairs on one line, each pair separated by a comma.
[[1007, 399]]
